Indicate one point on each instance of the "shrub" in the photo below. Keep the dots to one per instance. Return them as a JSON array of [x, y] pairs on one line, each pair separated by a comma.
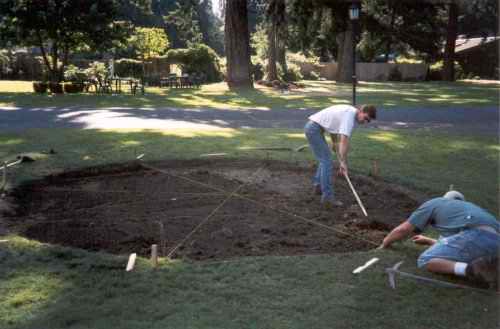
[[198, 59], [74, 74], [257, 71], [40, 87], [73, 87], [293, 73], [127, 67], [96, 70], [56, 87], [436, 71]]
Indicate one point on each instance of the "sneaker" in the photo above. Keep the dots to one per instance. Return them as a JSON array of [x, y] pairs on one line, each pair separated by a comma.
[[484, 269], [317, 190]]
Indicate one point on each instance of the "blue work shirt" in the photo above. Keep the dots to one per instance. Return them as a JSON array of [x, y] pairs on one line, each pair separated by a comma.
[[451, 216]]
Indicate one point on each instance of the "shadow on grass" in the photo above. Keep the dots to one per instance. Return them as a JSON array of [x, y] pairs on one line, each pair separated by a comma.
[[217, 96], [70, 288], [424, 161]]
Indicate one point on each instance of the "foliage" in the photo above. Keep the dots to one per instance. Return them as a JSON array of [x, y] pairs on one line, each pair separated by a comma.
[[257, 70], [197, 59], [299, 57], [435, 71], [292, 73], [75, 74], [148, 42], [398, 26], [259, 43], [97, 70], [73, 87], [126, 67], [186, 22], [479, 17], [40, 87], [65, 25]]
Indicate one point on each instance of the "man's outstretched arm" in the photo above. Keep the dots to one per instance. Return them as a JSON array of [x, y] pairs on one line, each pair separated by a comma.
[[401, 232]]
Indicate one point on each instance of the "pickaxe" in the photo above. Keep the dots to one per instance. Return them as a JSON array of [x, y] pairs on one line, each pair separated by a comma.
[[392, 271]]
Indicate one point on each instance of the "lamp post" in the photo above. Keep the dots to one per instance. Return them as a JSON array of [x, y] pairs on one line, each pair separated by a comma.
[[354, 16]]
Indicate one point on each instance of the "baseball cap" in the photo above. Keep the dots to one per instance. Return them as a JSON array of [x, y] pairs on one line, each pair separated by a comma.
[[454, 195]]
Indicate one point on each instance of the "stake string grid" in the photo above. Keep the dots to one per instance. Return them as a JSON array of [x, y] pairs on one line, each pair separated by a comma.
[[172, 251], [262, 205]]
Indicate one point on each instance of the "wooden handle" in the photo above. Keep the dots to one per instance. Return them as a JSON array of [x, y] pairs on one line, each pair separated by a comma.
[[356, 195]]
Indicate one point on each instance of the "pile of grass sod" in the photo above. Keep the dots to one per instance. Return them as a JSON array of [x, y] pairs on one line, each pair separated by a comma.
[[315, 94]]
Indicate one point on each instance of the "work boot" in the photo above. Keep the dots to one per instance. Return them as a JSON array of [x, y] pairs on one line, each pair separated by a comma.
[[317, 190], [484, 270], [331, 204]]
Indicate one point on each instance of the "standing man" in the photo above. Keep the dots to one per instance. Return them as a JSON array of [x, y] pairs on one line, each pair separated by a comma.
[[338, 121], [469, 243]]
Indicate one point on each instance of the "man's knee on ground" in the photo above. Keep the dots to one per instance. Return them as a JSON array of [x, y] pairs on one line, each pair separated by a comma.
[[423, 261]]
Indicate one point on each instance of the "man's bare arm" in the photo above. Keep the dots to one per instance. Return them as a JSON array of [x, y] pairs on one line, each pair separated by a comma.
[[342, 153], [401, 232]]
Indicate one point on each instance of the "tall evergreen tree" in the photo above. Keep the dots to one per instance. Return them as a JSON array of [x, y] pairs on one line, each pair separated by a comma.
[[237, 44]]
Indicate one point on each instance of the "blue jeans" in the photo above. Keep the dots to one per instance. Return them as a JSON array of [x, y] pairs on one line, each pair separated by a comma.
[[321, 151], [464, 247]]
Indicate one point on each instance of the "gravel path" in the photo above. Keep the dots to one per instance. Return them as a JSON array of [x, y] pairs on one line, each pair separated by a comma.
[[476, 121]]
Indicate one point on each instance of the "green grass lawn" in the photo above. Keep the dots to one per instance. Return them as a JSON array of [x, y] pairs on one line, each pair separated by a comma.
[[427, 162], [44, 286], [316, 94]]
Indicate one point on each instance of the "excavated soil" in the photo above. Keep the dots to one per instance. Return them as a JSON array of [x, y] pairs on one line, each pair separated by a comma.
[[205, 209]]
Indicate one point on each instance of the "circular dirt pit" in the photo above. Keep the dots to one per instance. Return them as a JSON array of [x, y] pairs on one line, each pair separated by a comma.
[[204, 210]]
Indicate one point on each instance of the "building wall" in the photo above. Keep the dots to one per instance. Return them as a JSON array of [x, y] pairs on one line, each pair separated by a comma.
[[481, 61], [369, 71]]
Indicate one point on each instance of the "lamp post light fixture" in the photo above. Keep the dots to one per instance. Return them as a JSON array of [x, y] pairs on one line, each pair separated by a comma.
[[354, 17]]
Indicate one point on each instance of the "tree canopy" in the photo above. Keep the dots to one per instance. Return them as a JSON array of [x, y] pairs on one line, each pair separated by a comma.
[[59, 27]]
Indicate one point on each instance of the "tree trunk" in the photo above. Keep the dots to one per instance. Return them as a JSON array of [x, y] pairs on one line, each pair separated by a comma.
[[64, 62], [451, 36], [237, 44], [282, 35], [272, 71], [344, 57], [44, 55], [389, 37], [55, 53]]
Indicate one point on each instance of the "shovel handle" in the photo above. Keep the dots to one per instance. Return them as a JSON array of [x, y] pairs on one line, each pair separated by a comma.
[[356, 195]]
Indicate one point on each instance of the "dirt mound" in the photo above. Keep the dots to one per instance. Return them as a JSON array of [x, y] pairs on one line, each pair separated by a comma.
[[271, 211]]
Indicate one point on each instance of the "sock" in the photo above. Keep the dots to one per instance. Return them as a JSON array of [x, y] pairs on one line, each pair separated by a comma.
[[460, 268]]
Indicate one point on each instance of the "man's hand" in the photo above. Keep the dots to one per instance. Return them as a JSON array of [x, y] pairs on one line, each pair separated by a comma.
[[422, 239], [342, 171]]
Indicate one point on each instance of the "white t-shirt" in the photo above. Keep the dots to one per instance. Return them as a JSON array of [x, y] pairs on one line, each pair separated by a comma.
[[336, 119]]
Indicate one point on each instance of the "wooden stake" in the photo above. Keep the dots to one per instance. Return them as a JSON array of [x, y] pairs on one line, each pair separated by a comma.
[[375, 168], [131, 262], [364, 267], [154, 255]]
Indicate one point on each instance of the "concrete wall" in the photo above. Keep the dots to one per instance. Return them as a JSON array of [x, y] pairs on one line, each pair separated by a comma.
[[369, 71]]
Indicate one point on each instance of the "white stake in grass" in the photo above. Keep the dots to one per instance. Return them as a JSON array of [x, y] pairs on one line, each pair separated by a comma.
[[131, 262], [364, 267]]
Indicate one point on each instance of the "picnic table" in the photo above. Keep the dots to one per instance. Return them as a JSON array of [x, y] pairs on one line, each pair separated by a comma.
[[117, 82], [182, 81]]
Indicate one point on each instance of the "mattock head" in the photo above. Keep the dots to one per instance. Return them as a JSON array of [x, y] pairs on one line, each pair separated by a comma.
[[391, 272]]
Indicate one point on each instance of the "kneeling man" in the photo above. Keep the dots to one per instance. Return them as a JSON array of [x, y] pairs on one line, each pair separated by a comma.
[[469, 243]]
